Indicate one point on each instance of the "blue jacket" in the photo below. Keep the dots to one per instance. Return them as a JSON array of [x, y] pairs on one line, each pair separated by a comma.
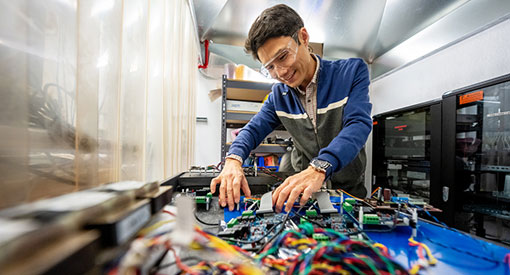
[[343, 123]]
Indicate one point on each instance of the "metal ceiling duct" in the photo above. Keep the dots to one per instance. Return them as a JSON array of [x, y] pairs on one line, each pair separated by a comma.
[[375, 30]]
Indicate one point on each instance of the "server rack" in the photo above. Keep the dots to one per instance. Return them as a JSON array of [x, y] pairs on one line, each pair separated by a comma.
[[475, 174], [407, 151]]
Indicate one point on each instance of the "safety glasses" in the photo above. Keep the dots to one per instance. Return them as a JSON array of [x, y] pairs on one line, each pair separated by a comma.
[[283, 59]]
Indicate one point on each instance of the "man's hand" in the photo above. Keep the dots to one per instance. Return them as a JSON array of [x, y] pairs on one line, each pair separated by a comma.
[[306, 182], [231, 180]]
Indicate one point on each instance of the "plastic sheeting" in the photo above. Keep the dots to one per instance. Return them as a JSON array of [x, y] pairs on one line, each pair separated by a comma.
[[93, 92]]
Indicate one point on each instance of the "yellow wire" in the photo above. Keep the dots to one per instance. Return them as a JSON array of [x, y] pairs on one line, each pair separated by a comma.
[[414, 270], [279, 267], [374, 191], [153, 227], [223, 263], [329, 268], [300, 241], [200, 267], [322, 266], [380, 245], [432, 259]]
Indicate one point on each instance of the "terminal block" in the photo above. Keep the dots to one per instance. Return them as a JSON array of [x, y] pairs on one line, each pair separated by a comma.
[[311, 213], [247, 213], [371, 219], [232, 222], [204, 200], [350, 200], [320, 237], [347, 206]]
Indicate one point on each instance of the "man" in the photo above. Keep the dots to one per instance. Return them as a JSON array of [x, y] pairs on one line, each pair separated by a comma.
[[324, 105]]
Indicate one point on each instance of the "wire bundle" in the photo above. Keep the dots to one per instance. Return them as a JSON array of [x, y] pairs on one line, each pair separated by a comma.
[[337, 255], [423, 262], [220, 267], [240, 261]]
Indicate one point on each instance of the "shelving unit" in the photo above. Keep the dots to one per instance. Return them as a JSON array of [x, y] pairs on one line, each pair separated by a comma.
[[244, 91]]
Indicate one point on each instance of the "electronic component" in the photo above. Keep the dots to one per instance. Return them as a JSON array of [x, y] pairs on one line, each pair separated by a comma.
[[118, 226], [311, 213], [371, 219], [204, 200], [347, 206], [324, 202], [161, 198], [266, 204]]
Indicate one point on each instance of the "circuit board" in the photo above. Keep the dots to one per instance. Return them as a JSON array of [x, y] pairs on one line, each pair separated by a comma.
[[250, 229]]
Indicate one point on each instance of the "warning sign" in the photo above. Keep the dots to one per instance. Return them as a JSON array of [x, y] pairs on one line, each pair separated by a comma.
[[471, 97]]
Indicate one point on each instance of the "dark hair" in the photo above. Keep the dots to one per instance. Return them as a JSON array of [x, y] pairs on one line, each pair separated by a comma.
[[276, 21]]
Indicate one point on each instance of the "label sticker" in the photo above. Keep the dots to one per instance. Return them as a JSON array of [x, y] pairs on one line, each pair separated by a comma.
[[471, 97]]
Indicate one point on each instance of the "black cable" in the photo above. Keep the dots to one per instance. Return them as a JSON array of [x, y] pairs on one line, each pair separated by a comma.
[[255, 241], [204, 222], [269, 172], [308, 219], [157, 265], [279, 231]]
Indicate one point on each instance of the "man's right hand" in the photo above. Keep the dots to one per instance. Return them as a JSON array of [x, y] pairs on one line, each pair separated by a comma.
[[231, 180]]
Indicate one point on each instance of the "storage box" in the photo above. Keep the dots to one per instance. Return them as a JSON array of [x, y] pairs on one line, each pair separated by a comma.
[[245, 106]]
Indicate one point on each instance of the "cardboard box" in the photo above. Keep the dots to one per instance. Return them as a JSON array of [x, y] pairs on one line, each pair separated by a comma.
[[244, 106]]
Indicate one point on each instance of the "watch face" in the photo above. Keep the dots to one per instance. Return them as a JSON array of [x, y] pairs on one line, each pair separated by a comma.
[[321, 163]]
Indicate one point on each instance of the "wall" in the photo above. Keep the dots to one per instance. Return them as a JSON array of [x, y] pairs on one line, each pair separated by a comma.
[[208, 134], [480, 57]]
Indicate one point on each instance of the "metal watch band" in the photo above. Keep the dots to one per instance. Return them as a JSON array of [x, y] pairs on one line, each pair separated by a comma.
[[236, 157], [320, 165], [318, 169]]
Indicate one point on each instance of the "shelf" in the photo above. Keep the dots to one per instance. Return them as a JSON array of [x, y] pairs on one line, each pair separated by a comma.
[[267, 148], [495, 168], [244, 90], [239, 116], [489, 210], [247, 90], [487, 196], [241, 112], [248, 84]]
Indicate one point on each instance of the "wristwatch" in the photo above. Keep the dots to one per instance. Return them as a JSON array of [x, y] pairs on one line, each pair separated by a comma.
[[320, 165], [236, 157]]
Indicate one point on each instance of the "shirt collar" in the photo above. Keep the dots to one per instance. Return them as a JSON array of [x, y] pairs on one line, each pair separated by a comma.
[[314, 78]]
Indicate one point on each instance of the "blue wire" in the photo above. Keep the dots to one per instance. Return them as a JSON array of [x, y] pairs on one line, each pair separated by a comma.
[[482, 243]]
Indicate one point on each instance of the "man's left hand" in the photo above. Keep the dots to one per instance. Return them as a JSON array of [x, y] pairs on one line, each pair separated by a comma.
[[306, 182]]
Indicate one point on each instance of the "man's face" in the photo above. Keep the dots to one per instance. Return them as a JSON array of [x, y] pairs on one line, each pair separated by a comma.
[[286, 61]]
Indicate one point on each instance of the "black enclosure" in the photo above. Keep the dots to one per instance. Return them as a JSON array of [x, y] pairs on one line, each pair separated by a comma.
[[407, 151], [476, 158]]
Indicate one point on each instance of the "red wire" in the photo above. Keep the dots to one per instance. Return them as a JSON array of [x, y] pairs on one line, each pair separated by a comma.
[[168, 212], [420, 252], [182, 266], [507, 259]]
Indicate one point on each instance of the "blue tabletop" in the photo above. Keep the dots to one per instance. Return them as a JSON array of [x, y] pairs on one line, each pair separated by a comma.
[[456, 252], [449, 247]]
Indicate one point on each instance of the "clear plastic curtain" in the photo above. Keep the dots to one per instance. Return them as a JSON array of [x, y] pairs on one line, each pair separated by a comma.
[[93, 92]]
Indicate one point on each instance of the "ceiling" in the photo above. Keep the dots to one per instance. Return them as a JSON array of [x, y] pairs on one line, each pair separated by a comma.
[[386, 34]]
